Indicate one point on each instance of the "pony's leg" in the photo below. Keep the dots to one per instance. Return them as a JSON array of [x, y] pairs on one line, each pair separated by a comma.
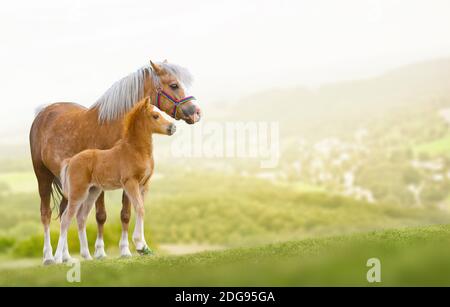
[[100, 216], [66, 254], [134, 193], [125, 215], [45, 179], [82, 216], [66, 218]]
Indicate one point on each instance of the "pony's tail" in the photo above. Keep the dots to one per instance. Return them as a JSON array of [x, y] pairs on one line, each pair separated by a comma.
[[39, 109], [57, 196]]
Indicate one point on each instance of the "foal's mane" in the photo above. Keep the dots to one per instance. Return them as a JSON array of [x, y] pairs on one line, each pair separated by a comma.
[[132, 116], [126, 92]]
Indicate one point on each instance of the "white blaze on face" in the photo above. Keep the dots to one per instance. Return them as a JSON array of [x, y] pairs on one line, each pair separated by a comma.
[[187, 94], [185, 89]]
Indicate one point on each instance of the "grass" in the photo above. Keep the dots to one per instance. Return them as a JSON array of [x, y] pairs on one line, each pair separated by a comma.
[[19, 182], [413, 256], [436, 147]]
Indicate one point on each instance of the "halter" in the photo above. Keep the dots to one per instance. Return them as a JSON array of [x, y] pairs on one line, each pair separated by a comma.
[[176, 102]]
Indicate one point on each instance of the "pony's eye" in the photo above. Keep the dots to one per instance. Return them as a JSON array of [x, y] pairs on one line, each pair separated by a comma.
[[174, 86], [155, 116]]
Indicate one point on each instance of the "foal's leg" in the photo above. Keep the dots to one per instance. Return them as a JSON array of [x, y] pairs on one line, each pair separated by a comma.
[[66, 254], [134, 193], [125, 215], [82, 216], [66, 218], [100, 216]]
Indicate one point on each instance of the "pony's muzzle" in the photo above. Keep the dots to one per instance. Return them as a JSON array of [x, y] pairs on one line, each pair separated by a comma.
[[192, 113], [171, 129]]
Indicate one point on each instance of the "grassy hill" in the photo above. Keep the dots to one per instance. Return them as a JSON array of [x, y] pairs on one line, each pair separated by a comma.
[[415, 256]]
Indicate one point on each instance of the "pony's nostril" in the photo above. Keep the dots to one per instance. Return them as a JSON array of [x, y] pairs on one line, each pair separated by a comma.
[[171, 129], [189, 111]]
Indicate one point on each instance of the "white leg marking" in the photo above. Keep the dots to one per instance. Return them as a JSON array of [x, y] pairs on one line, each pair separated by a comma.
[[124, 245], [48, 250], [62, 251], [82, 216], [138, 234], [99, 248]]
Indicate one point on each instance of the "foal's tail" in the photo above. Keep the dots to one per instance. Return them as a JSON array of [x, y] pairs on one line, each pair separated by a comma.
[[64, 179]]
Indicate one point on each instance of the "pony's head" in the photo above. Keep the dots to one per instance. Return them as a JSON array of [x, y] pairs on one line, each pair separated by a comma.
[[171, 92], [164, 82]]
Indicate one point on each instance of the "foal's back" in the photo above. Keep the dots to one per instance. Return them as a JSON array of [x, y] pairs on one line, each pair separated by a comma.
[[92, 167]]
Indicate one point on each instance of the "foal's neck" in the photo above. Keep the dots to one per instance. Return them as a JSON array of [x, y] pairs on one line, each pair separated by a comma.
[[139, 138]]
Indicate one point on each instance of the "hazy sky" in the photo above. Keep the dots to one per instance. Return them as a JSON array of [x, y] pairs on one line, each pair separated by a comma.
[[65, 50]]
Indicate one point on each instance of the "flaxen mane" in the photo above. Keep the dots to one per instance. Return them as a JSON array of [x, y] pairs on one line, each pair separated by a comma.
[[123, 94]]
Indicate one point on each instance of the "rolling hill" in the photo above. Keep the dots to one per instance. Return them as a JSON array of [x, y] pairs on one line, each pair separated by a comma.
[[347, 105]]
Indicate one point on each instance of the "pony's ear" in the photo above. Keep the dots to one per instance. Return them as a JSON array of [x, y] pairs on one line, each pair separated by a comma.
[[165, 61], [156, 67]]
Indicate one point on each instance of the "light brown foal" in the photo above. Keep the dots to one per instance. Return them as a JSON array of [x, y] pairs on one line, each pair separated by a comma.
[[128, 165]]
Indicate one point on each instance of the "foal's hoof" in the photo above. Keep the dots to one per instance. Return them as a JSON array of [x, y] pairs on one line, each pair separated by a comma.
[[48, 262], [145, 251], [126, 255]]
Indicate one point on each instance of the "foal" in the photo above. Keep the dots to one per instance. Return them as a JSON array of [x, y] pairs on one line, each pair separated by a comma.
[[128, 165]]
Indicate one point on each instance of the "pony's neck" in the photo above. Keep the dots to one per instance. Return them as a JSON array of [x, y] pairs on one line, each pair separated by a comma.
[[150, 89]]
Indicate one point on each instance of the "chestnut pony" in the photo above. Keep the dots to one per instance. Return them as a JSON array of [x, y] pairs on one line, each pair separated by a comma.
[[128, 165], [62, 130]]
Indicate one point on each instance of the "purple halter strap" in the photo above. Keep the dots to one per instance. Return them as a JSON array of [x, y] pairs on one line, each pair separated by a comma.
[[176, 102]]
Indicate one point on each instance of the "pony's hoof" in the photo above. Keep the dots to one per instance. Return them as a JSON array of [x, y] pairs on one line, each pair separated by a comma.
[[48, 262], [67, 260], [125, 253], [100, 254], [146, 251]]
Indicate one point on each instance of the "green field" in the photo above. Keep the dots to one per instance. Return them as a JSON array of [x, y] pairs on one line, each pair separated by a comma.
[[202, 210], [268, 233], [19, 182], [436, 147], [416, 256]]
